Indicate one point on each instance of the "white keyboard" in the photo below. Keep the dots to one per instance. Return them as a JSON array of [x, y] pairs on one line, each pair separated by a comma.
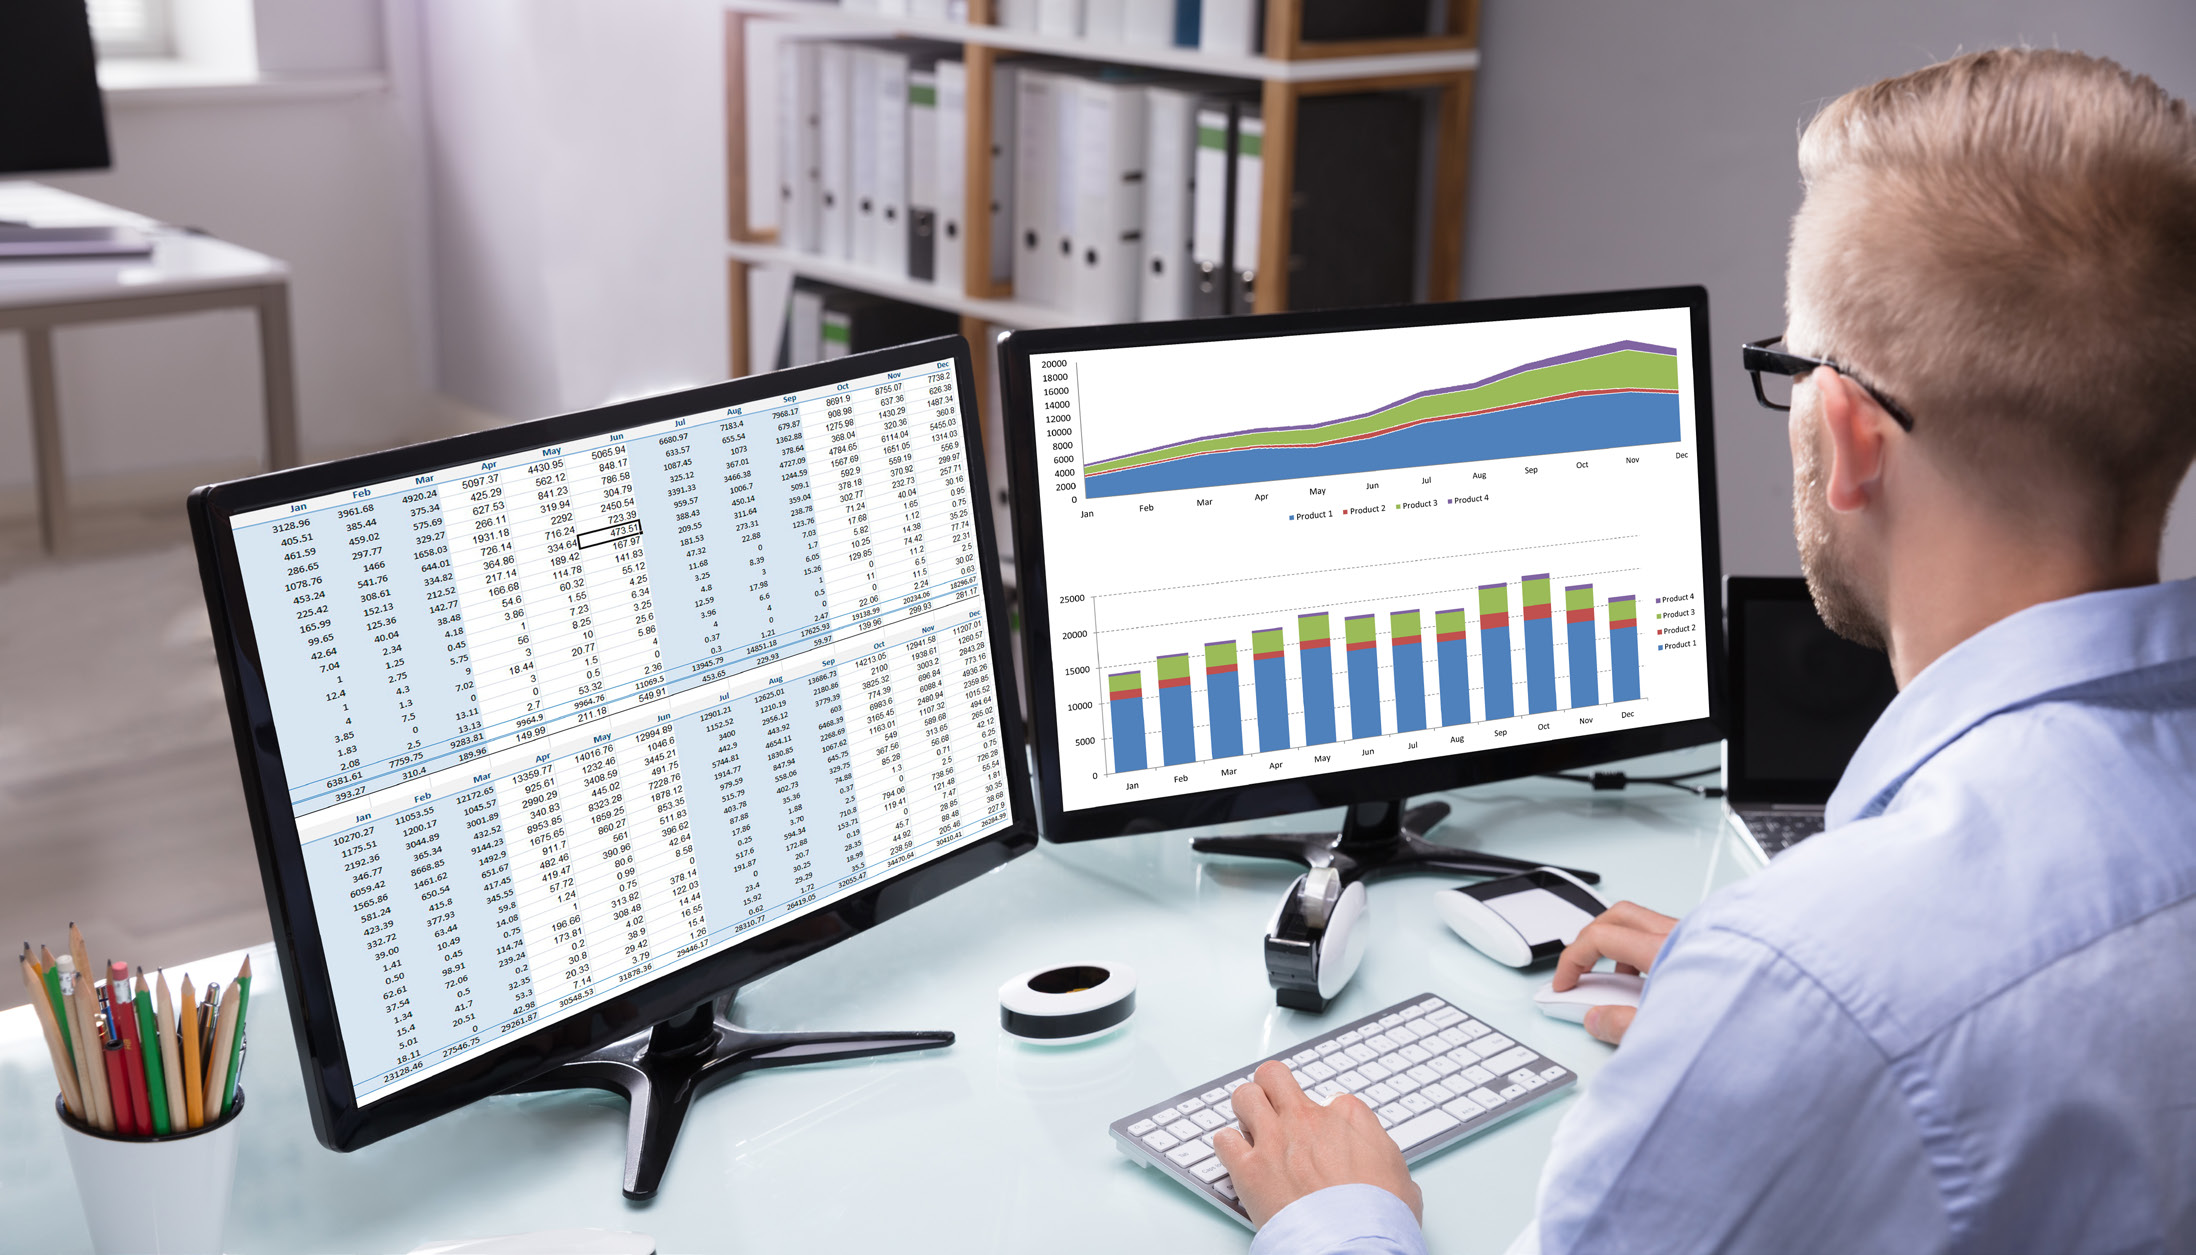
[[1433, 1074]]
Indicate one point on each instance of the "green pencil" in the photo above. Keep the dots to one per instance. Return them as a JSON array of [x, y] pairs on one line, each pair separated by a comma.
[[148, 1032], [236, 1053], [52, 976]]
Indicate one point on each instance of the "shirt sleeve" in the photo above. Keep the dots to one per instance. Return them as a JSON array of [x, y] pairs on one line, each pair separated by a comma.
[[1745, 1111], [1351, 1219]]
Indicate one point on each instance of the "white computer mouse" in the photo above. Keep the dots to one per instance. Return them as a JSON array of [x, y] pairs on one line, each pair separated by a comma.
[[1594, 989]]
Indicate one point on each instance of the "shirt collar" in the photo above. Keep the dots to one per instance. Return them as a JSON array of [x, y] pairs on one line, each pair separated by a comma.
[[2020, 659]]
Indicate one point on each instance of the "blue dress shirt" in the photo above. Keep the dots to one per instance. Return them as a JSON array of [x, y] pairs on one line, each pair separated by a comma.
[[1961, 1020]]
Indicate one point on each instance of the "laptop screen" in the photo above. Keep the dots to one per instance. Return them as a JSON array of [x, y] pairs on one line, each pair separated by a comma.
[[1804, 696]]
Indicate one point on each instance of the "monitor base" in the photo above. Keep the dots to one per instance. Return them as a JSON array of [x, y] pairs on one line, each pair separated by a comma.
[[662, 1070], [1376, 838]]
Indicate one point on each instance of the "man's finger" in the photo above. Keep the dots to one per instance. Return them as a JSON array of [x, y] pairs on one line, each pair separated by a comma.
[[1254, 1109], [1580, 956], [1232, 1149], [1609, 1023], [1280, 1085]]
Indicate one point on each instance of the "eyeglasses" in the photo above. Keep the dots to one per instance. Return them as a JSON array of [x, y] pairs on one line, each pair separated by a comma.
[[1782, 370]]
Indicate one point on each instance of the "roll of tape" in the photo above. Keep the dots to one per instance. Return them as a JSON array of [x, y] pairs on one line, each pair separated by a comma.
[[1070, 1003]]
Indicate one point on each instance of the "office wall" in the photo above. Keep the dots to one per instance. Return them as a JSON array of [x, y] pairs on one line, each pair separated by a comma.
[[1620, 144], [575, 157]]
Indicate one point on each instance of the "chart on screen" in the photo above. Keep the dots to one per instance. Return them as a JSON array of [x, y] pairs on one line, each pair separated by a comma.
[[1278, 557]]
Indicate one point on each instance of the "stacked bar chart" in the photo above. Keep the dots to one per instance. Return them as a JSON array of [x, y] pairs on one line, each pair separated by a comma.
[[1410, 671], [1623, 649], [1224, 699], [1578, 618], [1384, 687]]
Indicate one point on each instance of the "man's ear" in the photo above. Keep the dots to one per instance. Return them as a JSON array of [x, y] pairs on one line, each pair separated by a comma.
[[1858, 430]]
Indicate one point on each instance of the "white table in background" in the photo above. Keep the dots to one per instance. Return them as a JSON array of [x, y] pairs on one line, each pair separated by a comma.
[[187, 272]]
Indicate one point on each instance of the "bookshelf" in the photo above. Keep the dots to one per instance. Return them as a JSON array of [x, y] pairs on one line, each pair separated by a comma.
[[1442, 63]]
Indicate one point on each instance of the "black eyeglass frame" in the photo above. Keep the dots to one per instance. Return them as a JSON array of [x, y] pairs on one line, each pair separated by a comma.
[[1756, 357]]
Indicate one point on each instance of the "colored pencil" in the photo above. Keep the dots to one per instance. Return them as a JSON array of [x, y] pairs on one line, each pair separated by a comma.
[[194, 1071], [148, 1044], [87, 1004], [86, 1051], [64, 1068], [117, 1075], [52, 976], [217, 1065], [236, 1055], [171, 1057], [122, 1013]]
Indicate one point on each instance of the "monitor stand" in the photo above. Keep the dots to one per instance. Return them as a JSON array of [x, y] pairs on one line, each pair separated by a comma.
[[1376, 837], [660, 1072]]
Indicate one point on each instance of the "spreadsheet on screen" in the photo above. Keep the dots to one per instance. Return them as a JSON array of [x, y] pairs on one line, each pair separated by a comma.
[[562, 720]]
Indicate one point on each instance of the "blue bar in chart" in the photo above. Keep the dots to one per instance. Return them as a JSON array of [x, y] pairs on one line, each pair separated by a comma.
[[1623, 649], [1317, 661], [1224, 699], [1361, 649], [1450, 644], [1177, 721], [1494, 650], [1269, 672], [1408, 658], [1125, 697], [1578, 616], [1540, 652]]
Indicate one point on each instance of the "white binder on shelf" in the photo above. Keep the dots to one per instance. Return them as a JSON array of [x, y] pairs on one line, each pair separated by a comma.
[[950, 177], [862, 115], [923, 116], [834, 215], [891, 104], [799, 172], [1105, 21], [1016, 14], [1066, 227], [1148, 23], [1209, 284], [1036, 223], [1229, 27], [1004, 100], [1060, 17], [1109, 200], [804, 326], [1170, 147], [1250, 182]]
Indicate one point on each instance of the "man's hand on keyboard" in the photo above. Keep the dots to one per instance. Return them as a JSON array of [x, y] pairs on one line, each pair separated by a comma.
[[1627, 932], [1297, 1146]]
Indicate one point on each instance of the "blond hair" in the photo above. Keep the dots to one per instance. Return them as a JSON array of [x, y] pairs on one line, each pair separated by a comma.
[[2005, 243]]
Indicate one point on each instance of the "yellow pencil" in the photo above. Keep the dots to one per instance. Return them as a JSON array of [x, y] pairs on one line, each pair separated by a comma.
[[217, 1068], [171, 1062], [87, 1013], [80, 1042], [194, 1073], [63, 1070]]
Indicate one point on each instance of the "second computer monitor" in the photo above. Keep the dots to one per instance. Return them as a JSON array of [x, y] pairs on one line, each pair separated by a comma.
[[1271, 564]]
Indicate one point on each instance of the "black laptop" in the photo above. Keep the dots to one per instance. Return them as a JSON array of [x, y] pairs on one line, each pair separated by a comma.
[[1802, 697]]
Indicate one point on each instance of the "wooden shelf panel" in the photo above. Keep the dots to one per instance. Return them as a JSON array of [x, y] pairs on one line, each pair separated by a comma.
[[1322, 68], [1003, 313]]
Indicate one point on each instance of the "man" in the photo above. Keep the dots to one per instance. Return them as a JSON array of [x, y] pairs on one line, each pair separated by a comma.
[[1964, 1018]]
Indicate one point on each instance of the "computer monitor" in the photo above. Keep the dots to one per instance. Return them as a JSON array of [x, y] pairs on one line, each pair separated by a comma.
[[555, 734], [52, 117], [1281, 563]]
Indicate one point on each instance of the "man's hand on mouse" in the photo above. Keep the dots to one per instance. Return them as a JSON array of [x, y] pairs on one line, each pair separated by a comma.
[[1296, 1147], [1627, 932]]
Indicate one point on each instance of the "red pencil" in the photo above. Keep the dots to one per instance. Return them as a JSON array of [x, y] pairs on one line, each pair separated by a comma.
[[133, 1051], [111, 1051]]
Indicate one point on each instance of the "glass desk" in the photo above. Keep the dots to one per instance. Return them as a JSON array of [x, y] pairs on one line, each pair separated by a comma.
[[989, 1146]]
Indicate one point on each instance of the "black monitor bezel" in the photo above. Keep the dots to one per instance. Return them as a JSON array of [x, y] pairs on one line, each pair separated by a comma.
[[338, 1120], [1395, 780]]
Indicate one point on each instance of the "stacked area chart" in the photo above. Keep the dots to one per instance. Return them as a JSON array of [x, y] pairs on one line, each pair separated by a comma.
[[1280, 557]]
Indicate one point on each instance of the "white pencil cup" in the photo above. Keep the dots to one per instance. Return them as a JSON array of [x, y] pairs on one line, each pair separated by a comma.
[[155, 1195]]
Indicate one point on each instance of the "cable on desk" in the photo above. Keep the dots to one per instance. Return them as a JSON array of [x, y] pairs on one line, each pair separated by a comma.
[[1609, 781]]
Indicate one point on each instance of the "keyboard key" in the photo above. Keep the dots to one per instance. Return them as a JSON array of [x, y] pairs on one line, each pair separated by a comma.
[[1429, 1006], [1445, 1016], [1423, 1075], [1376, 1070], [1444, 1065], [1528, 1078], [1477, 1075], [1452, 1037], [1553, 1072], [1209, 1170], [1141, 1127], [1421, 1027], [1188, 1153], [1392, 1019], [1416, 1053], [1486, 1098], [1379, 1093], [1402, 1035], [1328, 1047], [1302, 1057], [1354, 1080], [1517, 1057], [1463, 1056], [1168, 1116], [1225, 1188], [1473, 1029], [1363, 1053], [1350, 1038], [1382, 1043], [1511, 1091], [1184, 1128], [1238, 1083], [1208, 1119], [1438, 1094], [1190, 1105], [1490, 1044], [1318, 1070], [1215, 1094], [1327, 1092], [1395, 1113], [1419, 1102], [1422, 1128], [1401, 1083], [1160, 1139]]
